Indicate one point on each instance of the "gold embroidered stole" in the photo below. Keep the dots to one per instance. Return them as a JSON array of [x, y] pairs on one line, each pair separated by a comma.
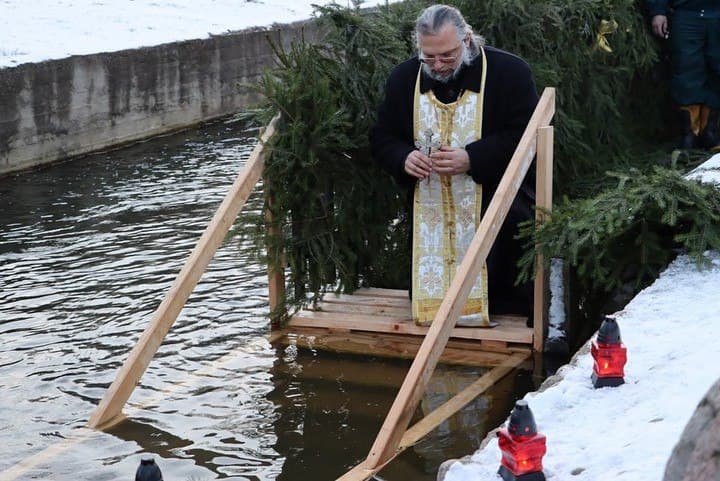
[[446, 208]]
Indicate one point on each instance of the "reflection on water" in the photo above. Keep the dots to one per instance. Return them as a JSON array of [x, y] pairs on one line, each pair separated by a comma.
[[332, 408], [87, 251]]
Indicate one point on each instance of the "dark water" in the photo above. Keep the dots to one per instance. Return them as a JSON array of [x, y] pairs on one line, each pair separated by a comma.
[[88, 249]]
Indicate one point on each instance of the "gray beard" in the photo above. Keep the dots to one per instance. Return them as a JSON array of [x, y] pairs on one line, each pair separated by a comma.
[[466, 60]]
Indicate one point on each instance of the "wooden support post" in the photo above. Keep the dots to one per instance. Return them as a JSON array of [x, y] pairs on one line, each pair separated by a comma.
[[276, 274], [543, 202], [421, 370], [132, 370]]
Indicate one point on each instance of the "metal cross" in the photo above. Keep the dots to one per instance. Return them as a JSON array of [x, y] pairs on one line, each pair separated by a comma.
[[427, 145]]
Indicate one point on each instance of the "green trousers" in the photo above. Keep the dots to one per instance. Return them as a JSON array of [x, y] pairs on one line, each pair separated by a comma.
[[695, 49]]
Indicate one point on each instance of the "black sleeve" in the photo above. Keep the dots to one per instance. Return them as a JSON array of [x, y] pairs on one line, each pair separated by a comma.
[[391, 138], [512, 97], [657, 7]]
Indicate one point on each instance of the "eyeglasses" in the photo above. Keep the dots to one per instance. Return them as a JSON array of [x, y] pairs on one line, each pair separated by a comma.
[[431, 59], [442, 59]]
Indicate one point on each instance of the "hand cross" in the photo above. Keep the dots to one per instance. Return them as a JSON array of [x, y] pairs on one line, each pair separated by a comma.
[[427, 145]]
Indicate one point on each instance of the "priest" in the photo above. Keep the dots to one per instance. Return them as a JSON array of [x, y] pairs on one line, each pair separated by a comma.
[[449, 123]]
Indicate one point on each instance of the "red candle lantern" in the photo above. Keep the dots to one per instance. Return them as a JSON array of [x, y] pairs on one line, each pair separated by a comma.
[[609, 355], [522, 446]]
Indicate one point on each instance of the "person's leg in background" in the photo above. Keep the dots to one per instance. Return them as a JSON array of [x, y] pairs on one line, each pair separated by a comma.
[[710, 115], [689, 77]]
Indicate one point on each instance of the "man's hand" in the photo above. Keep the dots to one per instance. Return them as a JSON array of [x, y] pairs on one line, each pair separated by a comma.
[[450, 161], [418, 164], [660, 26]]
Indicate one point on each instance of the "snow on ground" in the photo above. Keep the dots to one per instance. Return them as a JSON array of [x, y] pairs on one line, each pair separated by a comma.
[[708, 171], [556, 314], [37, 30], [627, 433]]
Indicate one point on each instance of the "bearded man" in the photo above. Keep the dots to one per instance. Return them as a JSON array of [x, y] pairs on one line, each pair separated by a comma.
[[450, 121]]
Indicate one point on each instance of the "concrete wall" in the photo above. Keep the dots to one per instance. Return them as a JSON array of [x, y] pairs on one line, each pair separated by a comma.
[[61, 108]]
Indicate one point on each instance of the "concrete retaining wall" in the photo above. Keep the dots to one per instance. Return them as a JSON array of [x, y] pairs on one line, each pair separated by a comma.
[[56, 109]]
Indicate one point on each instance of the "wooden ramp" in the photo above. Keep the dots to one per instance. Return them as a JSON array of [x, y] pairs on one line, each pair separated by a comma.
[[378, 322]]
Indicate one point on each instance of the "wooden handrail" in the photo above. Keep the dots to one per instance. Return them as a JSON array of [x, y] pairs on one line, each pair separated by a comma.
[[110, 407], [421, 370]]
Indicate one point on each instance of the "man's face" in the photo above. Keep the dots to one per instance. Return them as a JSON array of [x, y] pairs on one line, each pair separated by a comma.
[[442, 54]]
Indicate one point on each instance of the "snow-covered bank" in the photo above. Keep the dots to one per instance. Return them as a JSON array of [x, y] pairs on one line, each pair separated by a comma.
[[53, 29], [100, 90], [628, 432]]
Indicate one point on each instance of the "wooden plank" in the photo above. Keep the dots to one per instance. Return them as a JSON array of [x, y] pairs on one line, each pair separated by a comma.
[[374, 345], [515, 326], [419, 374], [380, 292], [543, 190], [405, 340], [399, 325], [390, 346], [373, 310], [351, 320], [419, 430], [488, 346], [352, 299], [496, 345], [132, 370], [348, 303], [423, 427]]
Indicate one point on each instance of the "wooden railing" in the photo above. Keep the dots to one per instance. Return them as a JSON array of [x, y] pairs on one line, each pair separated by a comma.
[[538, 137], [108, 411]]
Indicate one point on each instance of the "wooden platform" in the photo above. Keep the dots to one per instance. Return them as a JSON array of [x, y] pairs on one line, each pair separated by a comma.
[[378, 322]]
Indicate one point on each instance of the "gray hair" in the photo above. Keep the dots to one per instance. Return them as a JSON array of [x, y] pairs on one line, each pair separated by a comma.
[[434, 18]]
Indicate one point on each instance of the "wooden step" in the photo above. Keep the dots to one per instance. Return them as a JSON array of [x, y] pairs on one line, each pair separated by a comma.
[[378, 322], [509, 330], [391, 345]]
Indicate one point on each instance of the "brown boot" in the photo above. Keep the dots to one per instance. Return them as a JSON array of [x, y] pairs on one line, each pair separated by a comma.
[[708, 138], [690, 125]]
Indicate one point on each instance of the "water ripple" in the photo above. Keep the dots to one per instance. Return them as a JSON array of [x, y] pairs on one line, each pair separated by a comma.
[[87, 251]]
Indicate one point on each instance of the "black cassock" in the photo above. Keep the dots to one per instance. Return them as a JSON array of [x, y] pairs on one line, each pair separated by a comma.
[[510, 99]]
